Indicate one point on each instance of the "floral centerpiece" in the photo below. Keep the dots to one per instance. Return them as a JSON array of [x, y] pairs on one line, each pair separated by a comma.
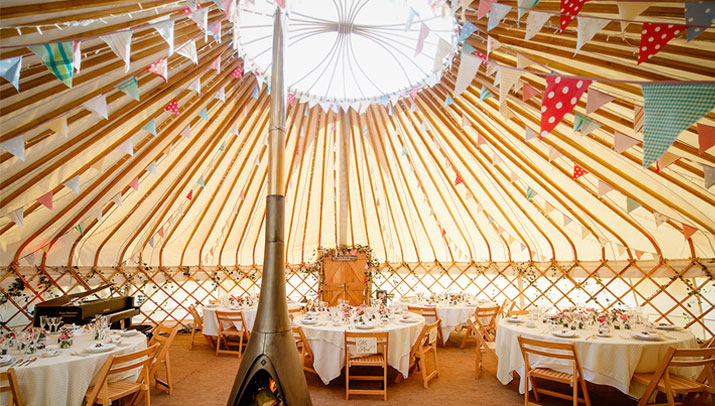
[[66, 336], [617, 317]]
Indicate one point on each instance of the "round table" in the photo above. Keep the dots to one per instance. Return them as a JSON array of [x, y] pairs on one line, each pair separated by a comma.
[[64, 379], [249, 313], [452, 315], [604, 360], [328, 344]]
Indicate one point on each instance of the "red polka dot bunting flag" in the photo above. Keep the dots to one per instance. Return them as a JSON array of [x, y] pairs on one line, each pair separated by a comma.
[[578, 172], [237, 73], [173, 107], [458, 180], [159, 68], [654, 37], [190, 195], [569, 10], [560, 97], [291, 99]]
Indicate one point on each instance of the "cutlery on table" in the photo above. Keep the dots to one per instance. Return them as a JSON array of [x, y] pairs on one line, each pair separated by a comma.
[[17, 361], [30, 361]]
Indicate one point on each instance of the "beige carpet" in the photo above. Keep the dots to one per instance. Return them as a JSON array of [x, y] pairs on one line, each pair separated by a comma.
[[201, 378]]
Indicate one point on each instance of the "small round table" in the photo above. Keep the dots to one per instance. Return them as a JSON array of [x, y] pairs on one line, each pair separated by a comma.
[[249, 313], [452, 316]]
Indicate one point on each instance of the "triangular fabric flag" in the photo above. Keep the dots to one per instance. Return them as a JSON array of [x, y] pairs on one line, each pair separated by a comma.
[[134, 184], [190, 195], [410, 18], [666, 159], [480, 140], [16, 216], [603, 188], [166, 30], [220, 94], [484, 7], [200, 17], [57, 56], [631, 205], [127, 147], [578, 172], [204, 114], [188, 50], [709, 176], [46, 200], [77, 55], [688, 231], [638, 116], [548, 208], [522, 62], [97, 105], [173, 107], [73, 184], [527, 92], [706, 138], [567, 220], [621, 250], [534, 22], [560, 97], [186, 132], [584, 233], [10, 70], [151, 241], [161, 232], [628, 11], [121, 44], [569, 10], [58, 125], [448, 100], [458, 180], [159, 68], [15, 146], [659, 219], [492, 45], [201, 181], [698, 13], [130, 87], [151, 168], [484, 93], [215, 31], [467, 30], [525, 6], [150, 127], [255, 93], [639, 254], [234, 129], [654, 38], [584, 124], [443, 49], [529, 134], [195, 85], [468, 68], [554, 154], [508, 78], [670, 109], [530, 193], [496, 14], [237, 73], [99, 165], [596, 99], [216, 64], [468, 49], [587, 28], [465, 121]]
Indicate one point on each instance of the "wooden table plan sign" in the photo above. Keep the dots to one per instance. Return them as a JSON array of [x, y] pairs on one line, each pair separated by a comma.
[[344, 278]]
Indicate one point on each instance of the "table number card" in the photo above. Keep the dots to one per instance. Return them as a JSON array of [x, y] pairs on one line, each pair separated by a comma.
[[433, 335], [366, 345]]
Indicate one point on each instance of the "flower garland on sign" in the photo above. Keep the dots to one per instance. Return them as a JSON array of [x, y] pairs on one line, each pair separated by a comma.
[[316, 266]]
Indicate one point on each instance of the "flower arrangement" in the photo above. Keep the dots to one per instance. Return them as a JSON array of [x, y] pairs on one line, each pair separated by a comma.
[[66, 336]]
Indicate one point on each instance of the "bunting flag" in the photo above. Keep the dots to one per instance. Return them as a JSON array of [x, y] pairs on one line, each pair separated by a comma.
[[216, 64], [130, 87], [188, 50], [73, 184], [706, 138], [458, 180], [173, 107], [424, 33], [492, 45], [15, 146], [578, 172], [670, 109], [508, 78], [195, 85], [58, 125], [443, 49], [166, 30], [79, 228], [567, 220], [237, 73], [10, 70], [667, 159], [16, 216], [622, 142], [201, 181], [659, 219], [465, 121], [603, 188], [497, 13], [77, 55], [628, 11], [204, 114], [215, 31], [527, 92], [525, 6], [554, 154], [638, 116], [596, 99], [468, 68], [57, 56], [654, 38], [688, 231], [448, 100], [534, 22], [548, 208], [639, 254], [151, 241], [220, 94], [121, 44], [190, 195], [560, 97], [186, 132], [529, 134], [709, 176], [200, 17], [150, 127], [99, 165], [134, 184], [569, 10], [587, 28], [161, 232], [631, 205], [234, 130], [255, 93], [151, 168], [480, 140], [584, 124], [484, 93], [699, 13], [530, 193], [97, 105], [484, 7], [159, 68], [126, 147]]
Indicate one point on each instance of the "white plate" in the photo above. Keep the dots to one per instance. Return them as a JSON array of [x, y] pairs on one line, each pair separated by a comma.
[[6, 359], [364, 326], [514, 320], [311, 313], [309, 321], [648, 337], [408, 320], [97, 348], [128, 333], [50, 354], [564, 334], [666, 327], [211, 306]]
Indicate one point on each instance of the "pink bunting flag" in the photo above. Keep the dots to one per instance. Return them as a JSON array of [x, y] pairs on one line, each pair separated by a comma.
[[578, 172], [291, 99], [480, 140], [134, 184], [413, 93], [622, 142], [281, 3], [216, 64], [706, 138], [688, 231], [569, 10], [560, 97], [161, 232], [484, 7], [159, 68], [458, 180], [424, 32], [654, 37], [190, 195], [527, 91], [173, 107], [603, 188], [596, 100], [46, 200]]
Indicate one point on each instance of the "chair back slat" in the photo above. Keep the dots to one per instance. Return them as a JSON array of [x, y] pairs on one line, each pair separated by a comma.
[[230, 317], [565, 351], [428, 312], [127, 362]]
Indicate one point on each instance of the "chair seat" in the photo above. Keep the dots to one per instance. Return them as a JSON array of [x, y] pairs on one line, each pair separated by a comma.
[[552, 374], [677, 383], [118, 389], [372, 359], [231, 332]]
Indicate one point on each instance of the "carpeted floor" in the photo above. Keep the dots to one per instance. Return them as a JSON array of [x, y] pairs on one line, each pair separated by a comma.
[[201, 378]]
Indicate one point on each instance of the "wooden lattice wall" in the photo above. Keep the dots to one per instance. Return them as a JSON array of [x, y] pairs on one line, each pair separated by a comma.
[[682, 292]]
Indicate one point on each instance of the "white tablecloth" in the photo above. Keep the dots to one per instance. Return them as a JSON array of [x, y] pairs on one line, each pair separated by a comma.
[[249, 313], [605, 361], [328, 345], [64, 379], [452, 316]]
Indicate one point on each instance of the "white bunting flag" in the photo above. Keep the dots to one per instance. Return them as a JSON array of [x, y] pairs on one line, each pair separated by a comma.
[[603, 188], [200, 17], [195, 85], [596, 100], [424, 32], [508, 77], [659, 219], [497, 13], [492, 45], [121, 44], [16, 216], [15, 146], [58, 125], [220, 94], [468, 68], [523, 62], [534, 22], [77, 55], [117, 199], [97, 105], [151, 168], [189, 51], [186, 132], [166, 30], [443, 48], [73, 184], [587, 28], [127, 147], [628, 11], [554, 153]]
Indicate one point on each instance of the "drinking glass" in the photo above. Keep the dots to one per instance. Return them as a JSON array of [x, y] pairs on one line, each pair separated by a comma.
[[43, 322]]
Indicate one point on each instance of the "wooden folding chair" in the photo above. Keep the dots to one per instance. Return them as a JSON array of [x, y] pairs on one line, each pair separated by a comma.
[[505, 307], [304, 350], [662, 380], [225, 333], [430, 315], [366, 360], [294, 312], [105, 392], [563, 351], [163, 337], [489, 314], [485, 342], [14, 398], [420, 351]]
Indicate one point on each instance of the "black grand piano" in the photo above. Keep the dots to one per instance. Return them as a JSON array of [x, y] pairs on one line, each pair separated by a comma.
[[75, 309]]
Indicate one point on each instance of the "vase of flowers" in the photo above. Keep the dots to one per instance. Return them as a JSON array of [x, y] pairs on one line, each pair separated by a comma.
[[66, 336]]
